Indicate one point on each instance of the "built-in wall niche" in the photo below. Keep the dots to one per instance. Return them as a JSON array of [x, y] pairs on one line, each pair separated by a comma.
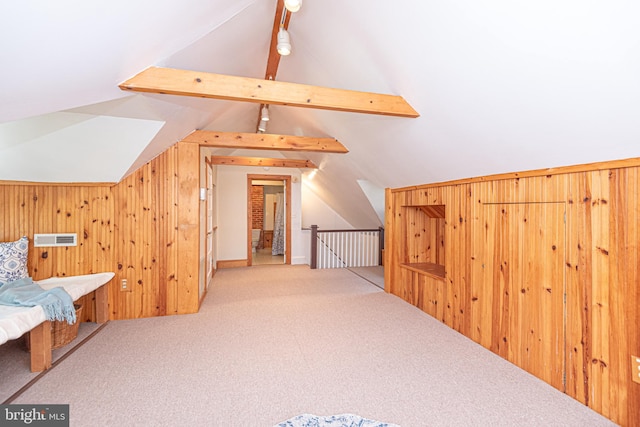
[[423, 249]]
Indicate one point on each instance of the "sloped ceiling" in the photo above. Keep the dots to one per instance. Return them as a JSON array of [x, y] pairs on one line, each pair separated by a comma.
[[500, 86]]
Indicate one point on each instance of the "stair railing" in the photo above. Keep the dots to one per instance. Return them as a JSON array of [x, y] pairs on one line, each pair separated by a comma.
[[346, 248]]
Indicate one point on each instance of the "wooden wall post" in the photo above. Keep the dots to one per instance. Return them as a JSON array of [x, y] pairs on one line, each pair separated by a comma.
[[188, 227], [313, 262], [381, 245]]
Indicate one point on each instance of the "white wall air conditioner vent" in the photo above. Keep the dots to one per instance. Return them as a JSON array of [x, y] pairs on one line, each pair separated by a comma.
[[66, 239]]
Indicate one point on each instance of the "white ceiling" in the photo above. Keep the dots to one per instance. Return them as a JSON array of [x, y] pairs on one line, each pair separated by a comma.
[[500, 85]]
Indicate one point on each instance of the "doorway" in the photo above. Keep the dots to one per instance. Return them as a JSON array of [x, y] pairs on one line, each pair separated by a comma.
[[268, 219]]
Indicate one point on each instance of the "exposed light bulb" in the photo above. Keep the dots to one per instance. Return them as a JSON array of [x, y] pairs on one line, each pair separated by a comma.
[[262, 127], [284, 43], [265, 114], [293, 5]]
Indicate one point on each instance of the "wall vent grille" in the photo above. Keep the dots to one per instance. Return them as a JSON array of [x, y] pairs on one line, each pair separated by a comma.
[[66, 239]]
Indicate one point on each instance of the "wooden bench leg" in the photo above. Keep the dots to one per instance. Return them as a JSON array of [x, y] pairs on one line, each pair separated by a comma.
[[102, 304], [40, 341]]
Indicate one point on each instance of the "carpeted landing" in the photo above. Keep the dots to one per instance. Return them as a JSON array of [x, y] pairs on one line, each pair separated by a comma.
[[273, 342]]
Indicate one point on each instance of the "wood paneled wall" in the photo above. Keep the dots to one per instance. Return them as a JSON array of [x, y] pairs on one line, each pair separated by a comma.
[[145, 229], [85, 210], [516, 246]]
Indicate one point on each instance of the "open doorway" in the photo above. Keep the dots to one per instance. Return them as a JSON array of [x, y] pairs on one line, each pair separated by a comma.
[[269, 219]]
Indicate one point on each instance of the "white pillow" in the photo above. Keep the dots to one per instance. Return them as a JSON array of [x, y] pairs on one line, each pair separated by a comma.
[[13, 260]]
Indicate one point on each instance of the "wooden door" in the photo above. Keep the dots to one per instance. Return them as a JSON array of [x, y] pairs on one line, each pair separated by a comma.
[[527, 257]]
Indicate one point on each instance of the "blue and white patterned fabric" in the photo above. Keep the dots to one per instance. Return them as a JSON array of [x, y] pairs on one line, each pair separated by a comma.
[[13, 260], [343, 420], [277, 242]]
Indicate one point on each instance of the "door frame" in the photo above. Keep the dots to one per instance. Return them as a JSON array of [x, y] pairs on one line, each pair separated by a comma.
[[210, 228], [287, 195]]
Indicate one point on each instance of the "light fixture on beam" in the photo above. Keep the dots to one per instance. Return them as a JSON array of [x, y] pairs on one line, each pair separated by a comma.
[[293, 5], [284, 42], [264, 116]]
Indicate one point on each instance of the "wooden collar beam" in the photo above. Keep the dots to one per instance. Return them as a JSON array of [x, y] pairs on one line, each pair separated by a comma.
[[262, 161], [208, 85], [264, 141]]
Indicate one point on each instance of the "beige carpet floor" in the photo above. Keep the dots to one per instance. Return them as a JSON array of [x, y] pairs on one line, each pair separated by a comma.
[[374, 275], [273, 342], [15, 361]]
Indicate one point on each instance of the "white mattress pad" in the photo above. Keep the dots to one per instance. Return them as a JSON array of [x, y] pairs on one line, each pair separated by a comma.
[[15, 321]]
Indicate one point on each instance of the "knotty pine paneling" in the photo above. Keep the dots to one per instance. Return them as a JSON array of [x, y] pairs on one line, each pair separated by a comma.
[[188, 216], [85, 210], [151, 250], [131, 228], [514, 246]]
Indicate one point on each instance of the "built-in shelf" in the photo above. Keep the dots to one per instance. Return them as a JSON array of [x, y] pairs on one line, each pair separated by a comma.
[[432, 211], [428, 268], [424, 230]]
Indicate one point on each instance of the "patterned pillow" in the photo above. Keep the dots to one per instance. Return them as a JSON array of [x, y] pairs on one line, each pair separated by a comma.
[[13, 260]]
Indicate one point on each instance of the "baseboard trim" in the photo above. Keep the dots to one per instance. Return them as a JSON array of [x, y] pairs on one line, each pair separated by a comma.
[[299, 260]]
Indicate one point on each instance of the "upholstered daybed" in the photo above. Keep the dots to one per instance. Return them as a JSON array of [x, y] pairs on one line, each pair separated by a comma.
[[15, 321]]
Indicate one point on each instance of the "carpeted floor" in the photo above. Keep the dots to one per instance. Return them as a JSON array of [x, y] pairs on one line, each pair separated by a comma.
[[374, 275], [15, 361], [274, 342]]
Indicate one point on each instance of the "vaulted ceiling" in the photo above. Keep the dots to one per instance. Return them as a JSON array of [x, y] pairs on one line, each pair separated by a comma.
[[500, 86]]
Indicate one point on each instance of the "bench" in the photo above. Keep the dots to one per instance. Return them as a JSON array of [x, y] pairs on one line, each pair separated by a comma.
[[16, 321]]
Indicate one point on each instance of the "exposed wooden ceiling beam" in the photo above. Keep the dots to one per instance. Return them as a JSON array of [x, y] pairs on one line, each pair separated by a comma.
[[263, 141], [208, 85], [262, 161], [273, 60]]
